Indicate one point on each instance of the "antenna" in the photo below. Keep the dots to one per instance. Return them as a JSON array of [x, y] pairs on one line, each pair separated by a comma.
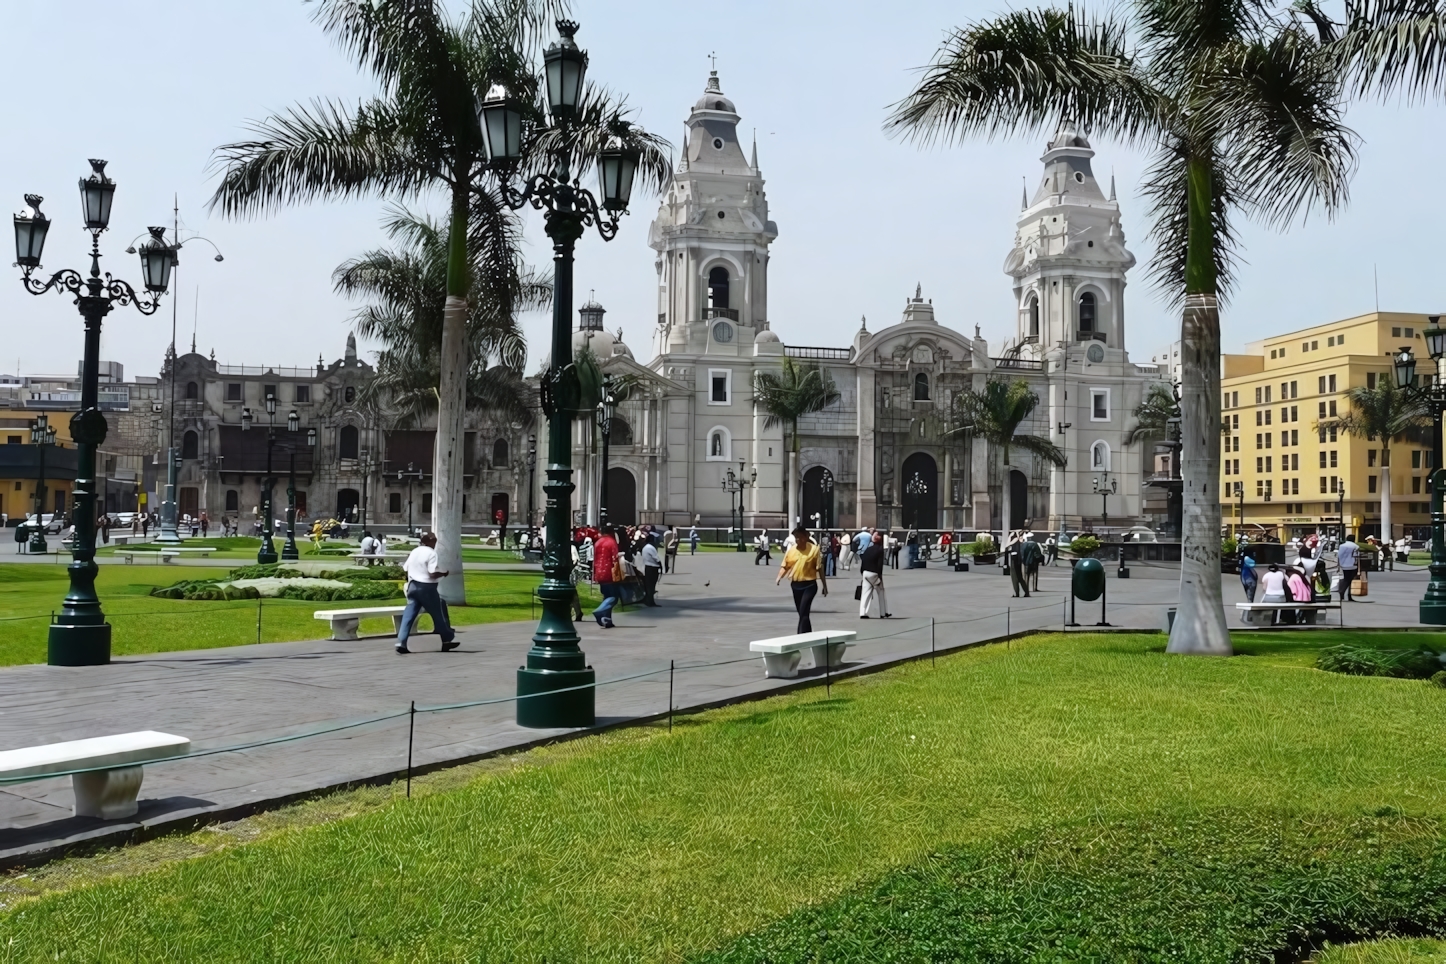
[[1376, 277], [195, 319]]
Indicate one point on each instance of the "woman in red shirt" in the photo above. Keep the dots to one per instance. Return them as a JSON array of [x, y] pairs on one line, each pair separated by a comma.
[[604, 568]]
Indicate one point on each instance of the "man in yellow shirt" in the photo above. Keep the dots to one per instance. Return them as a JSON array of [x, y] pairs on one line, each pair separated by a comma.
[[801, 564]]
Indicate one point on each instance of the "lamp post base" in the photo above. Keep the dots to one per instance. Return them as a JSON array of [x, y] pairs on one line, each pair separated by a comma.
[[556, 699], [1433, 613], [267, 557], [79, 645]]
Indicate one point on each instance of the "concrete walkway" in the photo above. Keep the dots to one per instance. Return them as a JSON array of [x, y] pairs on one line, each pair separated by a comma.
[[712, 607]]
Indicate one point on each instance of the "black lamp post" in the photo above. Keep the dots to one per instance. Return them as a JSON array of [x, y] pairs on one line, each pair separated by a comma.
[[1433, 391], [1105, 485], [267, 554], [288, 551], [826, 485], [1240, 501], [556, 665], [606, 409], [531, 478], [80, 636], [412, 474], [42, 435], [1340, 510], [366, 474], [737, 483], [914, 488]]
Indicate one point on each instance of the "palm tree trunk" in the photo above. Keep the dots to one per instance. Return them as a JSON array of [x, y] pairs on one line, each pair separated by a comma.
[[1200, 618], [795, 508], [451, 406], [1386, 533], [1006, 502]]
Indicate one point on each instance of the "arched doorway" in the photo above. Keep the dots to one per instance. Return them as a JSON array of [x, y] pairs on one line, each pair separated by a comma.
[[1018, 499], [347, 501], [622, 501], [919, 491], [501, 508], [818, 498]]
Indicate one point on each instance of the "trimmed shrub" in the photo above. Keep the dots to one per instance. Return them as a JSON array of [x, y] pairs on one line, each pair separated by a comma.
[[364, 589], [1084, 546], [1357, 660], [273, 570], [204, 589], [367, 573]]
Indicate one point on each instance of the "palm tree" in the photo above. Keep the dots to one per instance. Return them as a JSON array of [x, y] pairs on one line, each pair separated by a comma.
[[1389, 414], [1242, 108], [1153, 414], [406, 292], [994, 414], [786, 396], [421, 135]]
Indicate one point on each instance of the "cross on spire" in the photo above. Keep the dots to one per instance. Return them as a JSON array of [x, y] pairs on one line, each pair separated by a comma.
[[713, 61]]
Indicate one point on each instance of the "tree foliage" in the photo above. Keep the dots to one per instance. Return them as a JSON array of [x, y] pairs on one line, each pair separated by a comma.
[[794, 391]]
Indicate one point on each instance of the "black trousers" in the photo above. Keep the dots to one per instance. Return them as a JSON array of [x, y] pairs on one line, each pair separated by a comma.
[[650, 585], [803, 593], [1348, 576], [670, 560]]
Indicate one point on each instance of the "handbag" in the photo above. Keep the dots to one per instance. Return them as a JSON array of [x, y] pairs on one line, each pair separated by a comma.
[[859, 591], [618, 574]]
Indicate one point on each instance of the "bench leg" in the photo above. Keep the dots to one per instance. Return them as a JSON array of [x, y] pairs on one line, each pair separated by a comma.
[[344, 628], [829, 654], [107, 794], [781, 665]]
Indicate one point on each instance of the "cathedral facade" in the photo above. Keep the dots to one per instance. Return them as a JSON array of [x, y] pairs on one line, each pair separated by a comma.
[[891, 451]]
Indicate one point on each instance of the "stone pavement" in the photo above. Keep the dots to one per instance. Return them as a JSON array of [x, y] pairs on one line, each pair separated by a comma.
[[712, 607]]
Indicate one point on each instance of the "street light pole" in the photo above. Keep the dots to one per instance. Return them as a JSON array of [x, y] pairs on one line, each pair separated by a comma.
[[531, 480], [79, 635], [266, 555], [411, 474], [42, 435], [1433, 603], [289, 552], [555, 688], [606, 409]]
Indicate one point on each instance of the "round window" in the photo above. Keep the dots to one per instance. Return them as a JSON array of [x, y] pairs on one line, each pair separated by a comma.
[[1096, 352], [721, 215], [723, 332], [1079, 178], [717, 143]]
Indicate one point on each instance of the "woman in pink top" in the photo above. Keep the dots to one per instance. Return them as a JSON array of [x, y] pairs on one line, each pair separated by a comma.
[[1300, 591]]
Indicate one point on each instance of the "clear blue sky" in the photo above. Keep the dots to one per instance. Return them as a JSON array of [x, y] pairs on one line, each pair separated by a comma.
[[154, 85]]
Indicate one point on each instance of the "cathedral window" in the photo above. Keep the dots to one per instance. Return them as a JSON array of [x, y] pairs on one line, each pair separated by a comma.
[[1033, 317], [190, 446], [1087, 312], [1100, 405], [921, 387], [193, 391], [620, 432], [718, 288], [720, 445], [348, 442], [499, 454], [720, 386], [1100, 456]]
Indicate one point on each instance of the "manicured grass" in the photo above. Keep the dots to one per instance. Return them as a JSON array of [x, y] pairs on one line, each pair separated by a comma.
[[1098, 756], [1391, 951], [143, 623]]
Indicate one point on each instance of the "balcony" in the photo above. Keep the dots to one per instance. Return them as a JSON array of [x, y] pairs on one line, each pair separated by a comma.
[[1019, 364], [818, 354], [710, 313], [1089, 336]]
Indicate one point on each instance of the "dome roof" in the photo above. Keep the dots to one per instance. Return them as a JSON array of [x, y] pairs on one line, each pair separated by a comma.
[[766, 336], [1068, 136], [713, 98], [604, 344]]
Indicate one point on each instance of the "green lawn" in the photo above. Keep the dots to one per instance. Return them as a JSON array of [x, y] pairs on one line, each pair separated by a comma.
[[146, 624], [1073, 797], [1390, 951]]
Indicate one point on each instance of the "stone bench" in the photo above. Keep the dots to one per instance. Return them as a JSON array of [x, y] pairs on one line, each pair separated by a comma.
[[167, 555], [1249, 610], [344, 621], [782, 654], [368, 558], [108, 792]]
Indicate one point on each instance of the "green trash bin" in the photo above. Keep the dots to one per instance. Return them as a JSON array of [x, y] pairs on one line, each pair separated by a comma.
[[1088, 581]]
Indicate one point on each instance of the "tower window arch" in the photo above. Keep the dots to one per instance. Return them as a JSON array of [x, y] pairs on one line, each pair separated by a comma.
[[193, 391], [190, 446], [348, 442], [718, 287], [620, 432], [1033, 316], [233, 500], [1087, 312], [921, 387], [1100, 456], [499, 454]]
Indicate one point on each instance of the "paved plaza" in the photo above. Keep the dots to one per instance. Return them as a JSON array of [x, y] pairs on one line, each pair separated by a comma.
[[712, 607]]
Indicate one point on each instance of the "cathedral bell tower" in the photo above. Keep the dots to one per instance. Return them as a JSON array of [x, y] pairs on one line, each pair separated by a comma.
[[712, 235]]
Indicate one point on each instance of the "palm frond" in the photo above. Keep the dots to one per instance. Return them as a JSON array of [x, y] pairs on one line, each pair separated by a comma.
[[600, 117], [1153, 414], [1166, 187], [1041, 447], [1025, 72], [790, 393], [1394, 46]]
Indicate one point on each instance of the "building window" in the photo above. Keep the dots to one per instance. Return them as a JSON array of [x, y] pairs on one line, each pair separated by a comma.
[[349, 394], [1331, 408], [233, 500], [1333, 458], [718, 287], [233, 391], [1323, 485], [1259, 440], [720, 444], [1100, 456], [621, 431], [1267, 464], [426, 503], [1415, 458], [269, 391], [1370, 458], [1087, 312], [348, 442], [921, 387], [1415, 485], [1371, 380], [1235, 419], [1331, 382], [394, 502], [303, 393], [1322, 459], [1258, 391], [193, 391], [1267, 416], [190, 446], [1099, 405], [12, 440], [1033, 316], [1370, 483], [720, 386]]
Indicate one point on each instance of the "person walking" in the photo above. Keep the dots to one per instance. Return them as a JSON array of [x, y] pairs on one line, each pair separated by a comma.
[[1348, 558], [871, 566], [670, 550], [422, 595], [892, 542], [762, 550], [105, 529], [1249, 578], [652, 569], [206, 524], [693, 540], [801, 566], [607, 571], [1032, 556], [1013, 553], [830, 567]]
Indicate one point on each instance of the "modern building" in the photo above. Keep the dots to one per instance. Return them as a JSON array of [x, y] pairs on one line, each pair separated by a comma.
[[1282, 470]]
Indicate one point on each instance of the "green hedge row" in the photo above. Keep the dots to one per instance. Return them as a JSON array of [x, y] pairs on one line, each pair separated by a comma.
[[204, 589], [361, 589], [1204, 888], [1358, 660]]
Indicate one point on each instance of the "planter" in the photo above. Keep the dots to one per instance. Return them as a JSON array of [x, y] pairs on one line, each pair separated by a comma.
[[987, 559]]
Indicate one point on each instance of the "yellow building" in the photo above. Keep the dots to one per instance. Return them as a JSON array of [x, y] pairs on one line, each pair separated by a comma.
[[20, 464], [1281, 471]]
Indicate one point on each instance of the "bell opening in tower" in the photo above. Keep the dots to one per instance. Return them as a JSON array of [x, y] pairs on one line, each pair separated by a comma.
[[718, 288], [1087, 312]]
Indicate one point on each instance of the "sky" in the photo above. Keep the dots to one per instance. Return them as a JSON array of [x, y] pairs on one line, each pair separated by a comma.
[[154, 86]]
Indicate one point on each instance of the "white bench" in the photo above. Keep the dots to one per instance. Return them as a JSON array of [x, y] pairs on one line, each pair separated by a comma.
[[368, 557], [1249, 610], [781, 655], [166, 555], [344, 621], [110, 792]]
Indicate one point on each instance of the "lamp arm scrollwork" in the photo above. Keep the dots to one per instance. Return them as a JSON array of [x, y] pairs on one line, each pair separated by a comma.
[[554, 194]]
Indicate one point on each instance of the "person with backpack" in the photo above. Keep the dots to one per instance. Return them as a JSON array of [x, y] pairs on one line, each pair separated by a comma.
[[1032, 556]]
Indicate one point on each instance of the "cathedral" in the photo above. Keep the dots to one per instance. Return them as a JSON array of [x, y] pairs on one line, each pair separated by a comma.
[[890, 451]]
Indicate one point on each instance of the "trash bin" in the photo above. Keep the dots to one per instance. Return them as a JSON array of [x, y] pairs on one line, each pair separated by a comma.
[[1088, 580]]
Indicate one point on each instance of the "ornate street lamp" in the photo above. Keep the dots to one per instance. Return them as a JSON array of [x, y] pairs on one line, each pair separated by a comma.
[[411, 474], [289, 552], [606, 409], [1433, 392], [737, 483], [267, 554], [42, 435], [826, 485], [79, 635], [914, 488], [531, 473], [555, 687]]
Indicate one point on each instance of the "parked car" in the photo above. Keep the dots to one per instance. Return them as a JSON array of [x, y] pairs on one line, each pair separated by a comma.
[[52, 521]]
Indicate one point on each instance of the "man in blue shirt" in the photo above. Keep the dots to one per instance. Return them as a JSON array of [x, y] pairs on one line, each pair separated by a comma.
[[1347, 557]]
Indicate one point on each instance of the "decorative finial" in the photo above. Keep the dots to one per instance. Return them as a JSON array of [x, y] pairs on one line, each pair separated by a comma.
[[754, 161], [976, 332], [1023, 192], [863, 323], [919, 292], [1112, 184]]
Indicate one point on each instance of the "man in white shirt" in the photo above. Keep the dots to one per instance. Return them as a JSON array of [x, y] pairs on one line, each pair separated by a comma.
[[422, 595], [1348, 558], [652, 569], [368, 547]]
